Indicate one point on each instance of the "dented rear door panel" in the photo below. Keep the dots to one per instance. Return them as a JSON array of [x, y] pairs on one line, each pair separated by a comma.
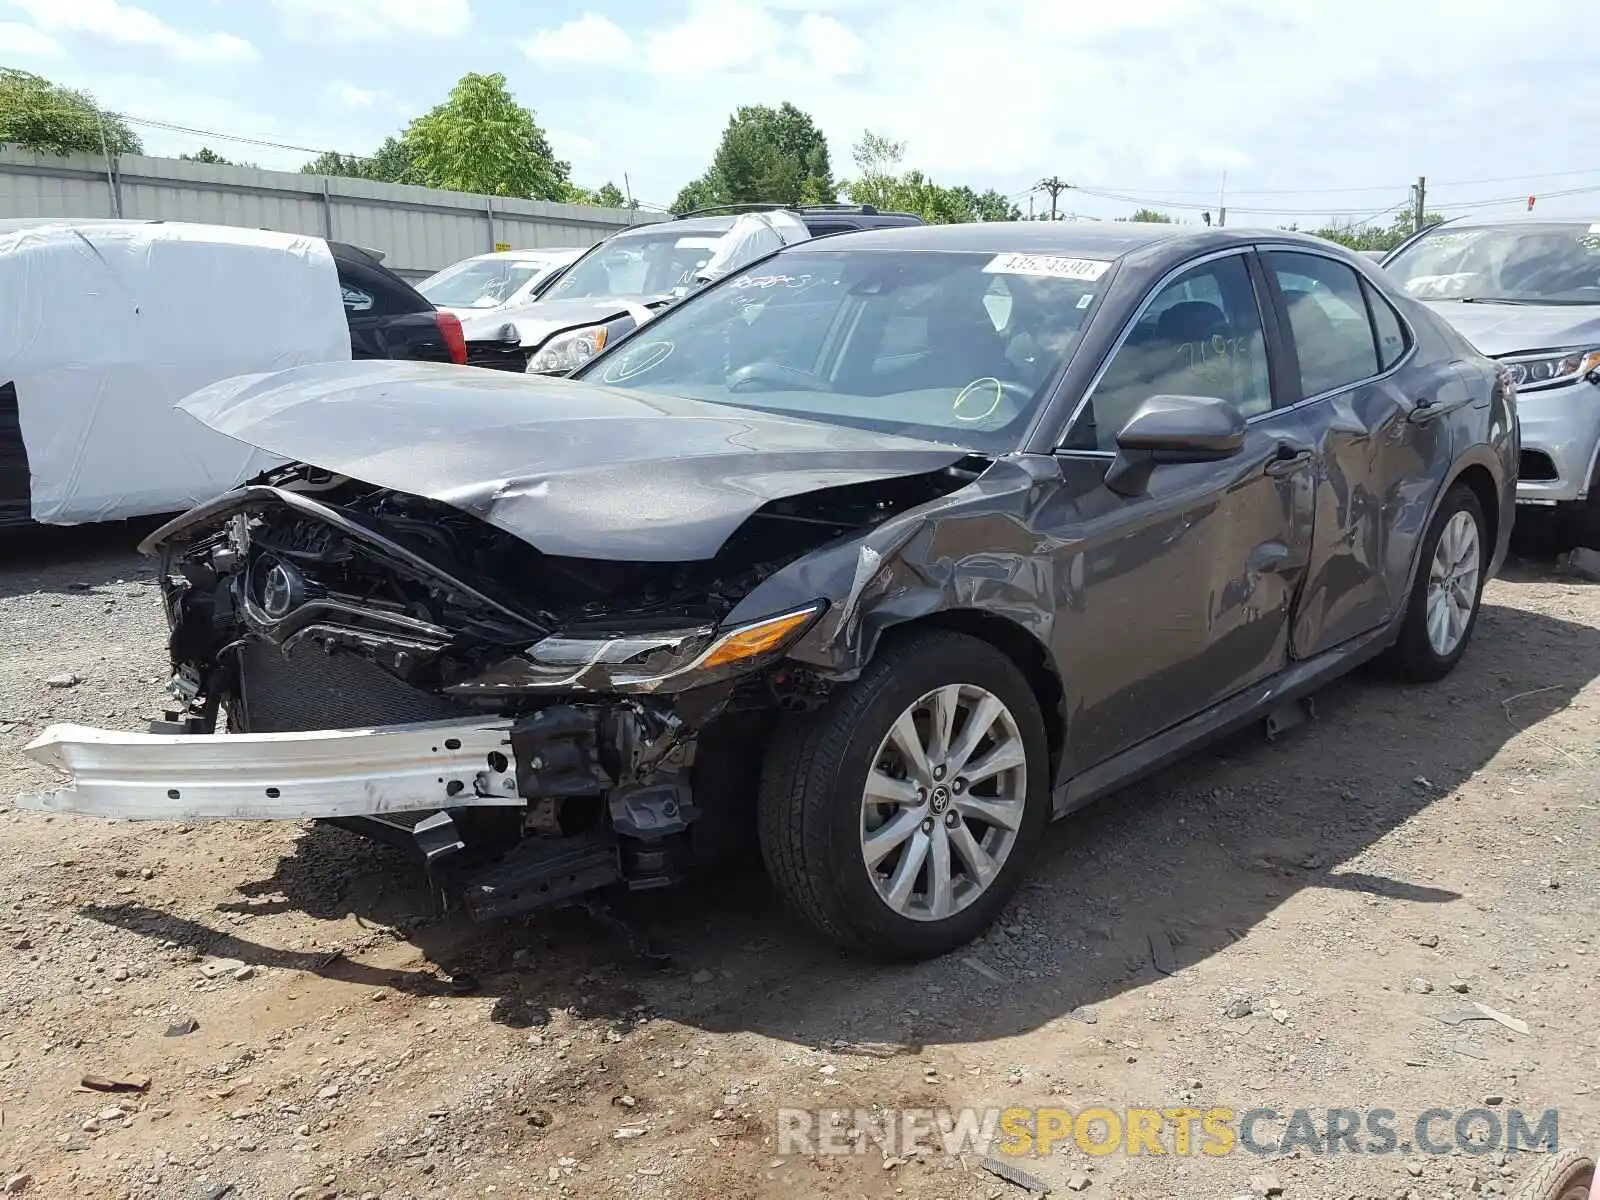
[[1378, 471]]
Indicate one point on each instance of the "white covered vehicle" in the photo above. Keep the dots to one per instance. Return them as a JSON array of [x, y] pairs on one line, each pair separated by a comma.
[[108, 324]]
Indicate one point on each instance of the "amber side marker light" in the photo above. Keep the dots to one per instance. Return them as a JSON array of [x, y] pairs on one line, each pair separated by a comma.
[[761, 638]]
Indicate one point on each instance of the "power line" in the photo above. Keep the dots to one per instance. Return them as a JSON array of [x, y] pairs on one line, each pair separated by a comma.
[[223, 137], [1055, 186], [1336, 191]]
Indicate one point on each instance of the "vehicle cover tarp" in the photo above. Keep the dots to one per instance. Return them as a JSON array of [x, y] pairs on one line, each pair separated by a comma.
[[108, 326], [752, 236]]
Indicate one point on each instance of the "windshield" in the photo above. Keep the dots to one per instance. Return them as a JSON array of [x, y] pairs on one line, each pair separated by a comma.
[[480, 282], [637, 264], [1552, 263], [950, 347]]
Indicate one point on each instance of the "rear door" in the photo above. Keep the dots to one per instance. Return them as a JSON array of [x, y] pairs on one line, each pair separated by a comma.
[[1349, 353]]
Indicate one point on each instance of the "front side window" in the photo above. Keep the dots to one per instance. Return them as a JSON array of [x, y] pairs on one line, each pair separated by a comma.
[[1200, 335], [953, 347], [1547, 262], [1333, 335]]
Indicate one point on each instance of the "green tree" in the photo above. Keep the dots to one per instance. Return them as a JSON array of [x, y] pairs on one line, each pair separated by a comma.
[[1375, 237], [766, 155], [882, 185], [988, 206], [1151, 217], [207, 155], [700, 193], [391, 162], [877, 158], [331, 162], [38, 115], [481, 140], [607, 195]]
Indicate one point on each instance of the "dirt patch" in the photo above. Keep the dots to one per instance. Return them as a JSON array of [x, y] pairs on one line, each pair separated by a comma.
[[1270, 926]]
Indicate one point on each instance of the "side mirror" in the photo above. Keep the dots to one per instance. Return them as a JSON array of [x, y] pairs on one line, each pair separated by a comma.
[[1173, 429]]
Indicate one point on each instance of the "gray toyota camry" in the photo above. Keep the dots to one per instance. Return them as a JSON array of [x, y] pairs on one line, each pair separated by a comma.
[[872, 558]]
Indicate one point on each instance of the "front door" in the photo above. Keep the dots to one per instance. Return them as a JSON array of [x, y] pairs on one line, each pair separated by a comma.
[[1178, 597]]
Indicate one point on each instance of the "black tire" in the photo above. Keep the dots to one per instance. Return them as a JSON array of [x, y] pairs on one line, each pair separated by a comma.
[[811, 795], [1566, 1175], [1413, 656]]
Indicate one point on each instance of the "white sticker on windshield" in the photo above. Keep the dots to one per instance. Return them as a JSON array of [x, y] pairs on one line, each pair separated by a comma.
[[1594, 228], [1047, 264], [1085, 300], [698, 243]]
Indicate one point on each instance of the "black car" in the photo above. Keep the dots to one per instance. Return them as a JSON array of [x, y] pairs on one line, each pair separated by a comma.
[[877, 554], [388, 317]]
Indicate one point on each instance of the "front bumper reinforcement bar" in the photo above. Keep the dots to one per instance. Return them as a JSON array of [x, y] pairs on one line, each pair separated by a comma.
[[278, 776]]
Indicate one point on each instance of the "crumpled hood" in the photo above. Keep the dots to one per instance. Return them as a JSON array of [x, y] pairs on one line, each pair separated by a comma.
[[570, 468], [537, 321], [1497, 329]]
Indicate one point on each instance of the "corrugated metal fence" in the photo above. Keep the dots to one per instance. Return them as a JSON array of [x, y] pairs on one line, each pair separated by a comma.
[[418, 229]]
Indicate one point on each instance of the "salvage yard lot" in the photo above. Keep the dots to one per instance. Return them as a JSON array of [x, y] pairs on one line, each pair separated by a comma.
[[347, 1044]]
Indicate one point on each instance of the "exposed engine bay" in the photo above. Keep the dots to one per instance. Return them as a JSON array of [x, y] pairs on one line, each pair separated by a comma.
[[623, 712]]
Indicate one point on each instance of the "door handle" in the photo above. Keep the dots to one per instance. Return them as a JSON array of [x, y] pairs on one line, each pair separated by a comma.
[[1289, 459]]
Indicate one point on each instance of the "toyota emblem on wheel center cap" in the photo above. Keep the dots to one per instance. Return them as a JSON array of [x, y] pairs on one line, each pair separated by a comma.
[[940, 800]]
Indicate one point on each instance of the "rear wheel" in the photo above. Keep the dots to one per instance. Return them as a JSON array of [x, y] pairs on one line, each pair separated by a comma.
[[899, 818], [1565, 1175], [1442, 609]]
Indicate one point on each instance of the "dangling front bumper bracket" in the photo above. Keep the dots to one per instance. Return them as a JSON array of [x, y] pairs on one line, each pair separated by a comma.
[[319, 774]]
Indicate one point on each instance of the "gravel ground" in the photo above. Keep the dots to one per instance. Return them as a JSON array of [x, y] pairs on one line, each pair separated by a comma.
[[1272, 925]]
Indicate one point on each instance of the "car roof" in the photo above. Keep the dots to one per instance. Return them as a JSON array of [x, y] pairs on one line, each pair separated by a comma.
[[1529, 219], [14, 224], [688, 225], [1108, 240]]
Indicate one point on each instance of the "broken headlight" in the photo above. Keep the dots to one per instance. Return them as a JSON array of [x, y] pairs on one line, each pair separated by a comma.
[[669, 661]]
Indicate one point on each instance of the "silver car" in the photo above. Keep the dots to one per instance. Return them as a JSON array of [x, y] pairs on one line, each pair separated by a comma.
[[1528, 293]]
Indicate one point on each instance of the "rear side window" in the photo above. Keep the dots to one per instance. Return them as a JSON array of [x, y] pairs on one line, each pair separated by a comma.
[[372, 290], [1387, 328], [356, 300], [1333, 336]]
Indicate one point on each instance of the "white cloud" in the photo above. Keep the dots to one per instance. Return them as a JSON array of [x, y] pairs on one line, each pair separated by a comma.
[[127, 25], [589, 41], [374, 20], [351, 96], [1155, 97], [24, 41]]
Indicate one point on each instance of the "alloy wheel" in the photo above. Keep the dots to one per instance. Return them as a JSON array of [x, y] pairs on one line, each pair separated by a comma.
[[1453, 583], [943, 802]]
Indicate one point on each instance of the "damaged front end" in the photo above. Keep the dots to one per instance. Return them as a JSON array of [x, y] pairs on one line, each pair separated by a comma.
[[531, 726]]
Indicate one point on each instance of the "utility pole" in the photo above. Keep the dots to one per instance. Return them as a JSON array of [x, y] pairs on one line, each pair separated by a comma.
[[1055, 187], [1222, 202], [1419, 194]]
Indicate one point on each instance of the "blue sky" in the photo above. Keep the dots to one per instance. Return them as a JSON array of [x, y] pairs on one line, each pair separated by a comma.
[[1313, 108]]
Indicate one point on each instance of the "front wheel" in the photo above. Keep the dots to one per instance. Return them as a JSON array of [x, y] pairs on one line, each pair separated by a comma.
[[899, 818], [1442, 609]]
